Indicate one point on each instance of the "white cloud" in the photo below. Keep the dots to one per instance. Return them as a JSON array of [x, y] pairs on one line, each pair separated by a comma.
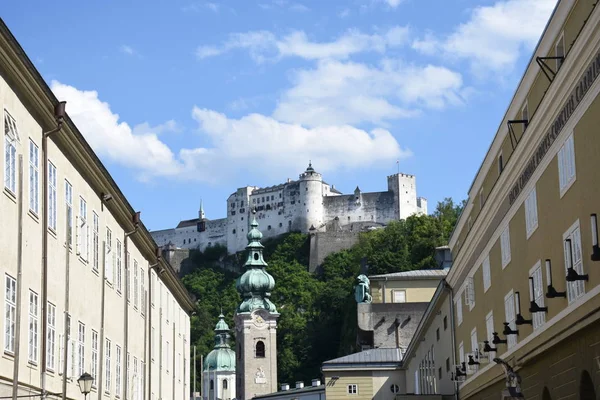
[[494, 36], [393, 3], [140, 149], [344, 13], [231, 147], [127, 50], [264, 45], [297, 7], [350, 93]]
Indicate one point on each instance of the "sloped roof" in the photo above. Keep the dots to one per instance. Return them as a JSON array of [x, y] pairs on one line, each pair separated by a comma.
[[187, 222], [373, 356], [416, 274]]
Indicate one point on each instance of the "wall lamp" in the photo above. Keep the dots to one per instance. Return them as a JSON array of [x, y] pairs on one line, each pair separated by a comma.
[[595, 246], [472, 361], [519, 320], [487, 348], [508, 330], [552, 293], [572, 275], [533, 306], [496, 339]]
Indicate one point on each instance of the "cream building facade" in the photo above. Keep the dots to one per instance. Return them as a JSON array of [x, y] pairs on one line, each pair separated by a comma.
[[525, 275], [84, 290]]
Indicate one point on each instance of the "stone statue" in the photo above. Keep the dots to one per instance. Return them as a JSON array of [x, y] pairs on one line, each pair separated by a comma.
[[513, 380], [361, 291], [260, 376]]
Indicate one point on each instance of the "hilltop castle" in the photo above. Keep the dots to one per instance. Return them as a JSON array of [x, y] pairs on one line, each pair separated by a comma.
[[307, 205]]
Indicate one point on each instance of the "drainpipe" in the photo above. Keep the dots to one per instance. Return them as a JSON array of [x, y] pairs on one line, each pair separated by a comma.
[[100, 361], [66, 317], [59, 116], [174, 358], [136, 224], [448, 288], [15, 386], [149, 316]]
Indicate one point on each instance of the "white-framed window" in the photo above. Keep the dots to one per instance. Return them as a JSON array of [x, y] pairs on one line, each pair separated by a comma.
[[82, 239], [108, 379], [469, 293], [51, 337], [152, 287], [95, 241], [11, 137], [459, 314], [168, 306], [573, 259], [399, 296], [94, 367], [127, 366], [486, 271], [81, 348], [559, 50], [539, 318], [128, 276], [34, 177], [108, 256], [136, 379], [505, 247], [52, 211], [142, 291], [118, 371], [69, 204], [510, 315], [135, 284], [461, 352], [566, 165], [531, 214], [489, 327], [33, 327], [474, 345], [119, 267], [353, 389]]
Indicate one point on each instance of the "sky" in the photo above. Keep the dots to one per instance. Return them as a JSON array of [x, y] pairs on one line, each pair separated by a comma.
[[188, 100]]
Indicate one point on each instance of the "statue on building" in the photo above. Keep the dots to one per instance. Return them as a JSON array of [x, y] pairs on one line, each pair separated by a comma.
[[513, 381], [362, 290]]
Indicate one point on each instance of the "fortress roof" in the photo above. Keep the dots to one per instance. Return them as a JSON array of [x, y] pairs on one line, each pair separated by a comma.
[[188, 222]]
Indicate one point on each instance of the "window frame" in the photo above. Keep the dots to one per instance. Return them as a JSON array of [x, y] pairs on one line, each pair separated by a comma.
[[531, 212], [505, 250], [398, 291], [107, 365], [511, 340], [565, 154], [10, 153], [69, 205], [459, 311], [51, 337], [486, 272], [352, 389], [575, 290], [33, 325], [489, 327], [34, 177], [539, 318]]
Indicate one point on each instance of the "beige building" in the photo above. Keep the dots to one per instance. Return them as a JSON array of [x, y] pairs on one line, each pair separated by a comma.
[[525, 275], [83, 289]]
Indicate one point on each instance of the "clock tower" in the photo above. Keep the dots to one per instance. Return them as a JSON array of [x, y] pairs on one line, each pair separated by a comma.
[[256, 324]]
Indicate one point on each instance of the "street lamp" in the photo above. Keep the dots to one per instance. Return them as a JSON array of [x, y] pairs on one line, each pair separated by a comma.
[[85, 383]]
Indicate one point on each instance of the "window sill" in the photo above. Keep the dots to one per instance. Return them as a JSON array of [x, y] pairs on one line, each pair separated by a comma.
[[32, 364], [34, 216], [10, 194], [52, 233], [95, 271]]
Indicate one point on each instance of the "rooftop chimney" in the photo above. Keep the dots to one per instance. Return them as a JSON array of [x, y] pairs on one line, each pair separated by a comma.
[[316, 382], [299, 385], [285, 387]]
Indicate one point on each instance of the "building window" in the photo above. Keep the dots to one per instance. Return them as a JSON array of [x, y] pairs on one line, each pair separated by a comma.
[[459, 314], [260, 349], [489, 326], [500, 164], [135, 284], [448, 364], [11, 136], [81, 348], [136, 380], [224, 384], [269, 227], [505, 247], [108, 256], [118, 370], [119, 267], [142, 292], [566, 165], [108, 380], [51, 336], [437, 334], [212, 385], [559, 51], [127, 366], [461, 353], [128, 275], [510, 313], [34, 177], [487, 279], [531, 215], [445, 322], [51, 196], [69, 203], [33, 327], [537, 294], [82, 242], [95, 241], [94, 367], [572, 251], [399, 296], [474, 344], [353, 389], [469, 293], [233, 231], [440, 372], [394, 388]]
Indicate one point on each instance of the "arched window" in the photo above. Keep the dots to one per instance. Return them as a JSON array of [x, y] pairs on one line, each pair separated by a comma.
[[212, 385], [224, 384], [260, 349], [546, 394], [586, 387]]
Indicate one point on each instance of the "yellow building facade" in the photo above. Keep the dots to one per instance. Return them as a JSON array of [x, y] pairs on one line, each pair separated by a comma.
[[526, 276]]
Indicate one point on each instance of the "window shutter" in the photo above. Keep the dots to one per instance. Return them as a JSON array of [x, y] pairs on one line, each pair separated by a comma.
[[571, 295], [61, 349]]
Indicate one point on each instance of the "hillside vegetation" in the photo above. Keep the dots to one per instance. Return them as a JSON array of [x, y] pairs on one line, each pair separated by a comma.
[[318, 311]]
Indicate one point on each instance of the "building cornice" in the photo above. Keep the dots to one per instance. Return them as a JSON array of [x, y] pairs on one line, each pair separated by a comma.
[[40, 101]]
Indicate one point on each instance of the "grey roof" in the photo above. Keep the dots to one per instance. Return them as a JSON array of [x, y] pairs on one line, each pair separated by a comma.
[[292, 391], [372, 356], [416, 274], [187, 222]]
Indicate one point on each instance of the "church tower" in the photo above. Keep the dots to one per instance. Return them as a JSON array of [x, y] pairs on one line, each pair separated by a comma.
[[219, 366], [256, 324]]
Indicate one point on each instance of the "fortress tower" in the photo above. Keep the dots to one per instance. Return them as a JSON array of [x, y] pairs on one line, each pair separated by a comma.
[[256, 324], [404, 187], [311, 196]]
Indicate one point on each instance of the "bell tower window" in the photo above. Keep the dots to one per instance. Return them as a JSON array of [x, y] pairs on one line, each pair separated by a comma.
[[260, 349]]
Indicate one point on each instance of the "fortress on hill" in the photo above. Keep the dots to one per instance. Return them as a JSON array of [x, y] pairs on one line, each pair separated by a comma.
[[307, 205]]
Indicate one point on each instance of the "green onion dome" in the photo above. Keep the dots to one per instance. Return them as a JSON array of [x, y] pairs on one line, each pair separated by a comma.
[[221, 358]]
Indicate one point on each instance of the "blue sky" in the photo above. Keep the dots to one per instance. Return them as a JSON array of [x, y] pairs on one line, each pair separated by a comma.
[[188, 100]]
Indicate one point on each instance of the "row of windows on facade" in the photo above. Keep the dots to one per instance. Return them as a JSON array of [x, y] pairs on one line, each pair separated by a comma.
[[425, 379], [112, 256], [76, 351]]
